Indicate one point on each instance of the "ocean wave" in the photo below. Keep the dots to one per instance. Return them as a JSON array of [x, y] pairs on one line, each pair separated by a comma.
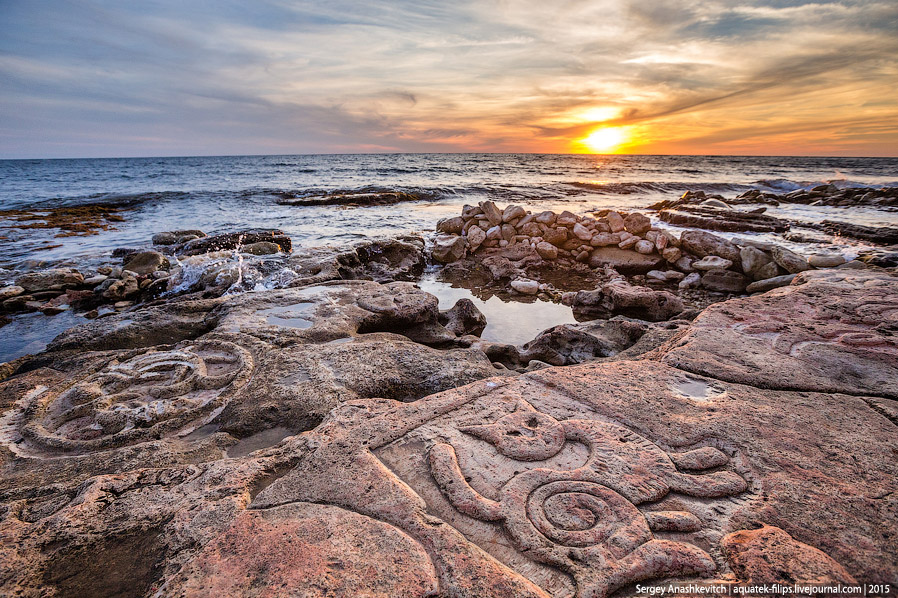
[[656, 187]]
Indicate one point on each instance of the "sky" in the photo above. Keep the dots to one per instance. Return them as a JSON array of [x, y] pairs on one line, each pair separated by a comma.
[[219, 77]]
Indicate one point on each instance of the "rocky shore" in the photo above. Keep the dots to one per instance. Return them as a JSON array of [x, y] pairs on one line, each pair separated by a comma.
[[238, 417]]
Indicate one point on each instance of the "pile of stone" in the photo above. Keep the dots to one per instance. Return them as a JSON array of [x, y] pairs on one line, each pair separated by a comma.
[[629, 243]]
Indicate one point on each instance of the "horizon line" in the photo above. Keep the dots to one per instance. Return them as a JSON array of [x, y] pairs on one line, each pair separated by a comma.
[[2, 159]]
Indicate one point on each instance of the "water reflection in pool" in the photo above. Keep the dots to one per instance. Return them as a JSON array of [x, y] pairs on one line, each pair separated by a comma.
[[511, 322]]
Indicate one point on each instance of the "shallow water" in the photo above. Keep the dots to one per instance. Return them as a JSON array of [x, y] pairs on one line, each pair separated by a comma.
[[510, 322], [220, 194], [223, 194]]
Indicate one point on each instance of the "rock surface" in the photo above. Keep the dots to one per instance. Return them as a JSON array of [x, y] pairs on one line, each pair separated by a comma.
[[346, 439], [829, 331]]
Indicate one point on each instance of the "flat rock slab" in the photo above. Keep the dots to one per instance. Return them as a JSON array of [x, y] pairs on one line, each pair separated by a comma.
[[830, 331], [568, 481]]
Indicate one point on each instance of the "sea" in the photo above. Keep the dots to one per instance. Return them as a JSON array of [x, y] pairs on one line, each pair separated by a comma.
[[220, 194]]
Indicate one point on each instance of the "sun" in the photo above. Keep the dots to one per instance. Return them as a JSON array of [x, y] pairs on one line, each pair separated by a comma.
[[604, 140]]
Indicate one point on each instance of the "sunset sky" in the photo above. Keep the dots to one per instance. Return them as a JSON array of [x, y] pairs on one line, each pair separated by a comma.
[[160, 77]]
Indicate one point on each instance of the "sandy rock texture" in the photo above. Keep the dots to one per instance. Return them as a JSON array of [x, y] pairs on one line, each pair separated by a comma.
[[341, 440]]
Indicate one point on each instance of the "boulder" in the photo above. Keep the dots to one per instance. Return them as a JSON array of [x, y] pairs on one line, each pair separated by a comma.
[[556, 236], [145, 262], [463, 318], [626, 262], [621, 298], [513, 212], [492, 213], [604, 239], [725, 281], [752, 260], [45, 280], [230, 241], [637, 224], [476, 237], [548, 218], [789, 260], [525, 286], [448, 248], [691, 280], [546, 250], [261, 248], [762, 286], [703, 244], [176, 237], [644, 247], [452, 226], [615, 221], [826, 260], [581, 232], [672, 254], [10, 291], [712, 262]]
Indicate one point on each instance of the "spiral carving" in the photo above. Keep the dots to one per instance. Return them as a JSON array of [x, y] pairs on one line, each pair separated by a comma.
[[138, 399], [579, 513]]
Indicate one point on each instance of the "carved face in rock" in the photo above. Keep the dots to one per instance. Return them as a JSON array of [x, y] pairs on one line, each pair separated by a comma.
[[525, 435], [137, 399]]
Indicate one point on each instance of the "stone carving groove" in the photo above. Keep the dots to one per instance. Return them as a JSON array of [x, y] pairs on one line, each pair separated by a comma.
[[585, 521], [138, 399]]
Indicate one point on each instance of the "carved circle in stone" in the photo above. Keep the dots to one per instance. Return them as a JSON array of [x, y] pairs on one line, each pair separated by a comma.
[[138, 399], [583, 513]]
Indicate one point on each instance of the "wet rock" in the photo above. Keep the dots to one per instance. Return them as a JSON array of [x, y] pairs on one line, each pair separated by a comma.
[[625, 299], [831, 260], [886, 257], [360, 197], [463, 318], [10, 291], [564, 345], [525, 286], [771, 556], [725, 281], [636, 223], [57, 278], [703, 244], [146, 262], [122, 289], [261, 248], [712, 262], [883, 235], [768, 284], [176, 237], [789, 260], [448, 248], [624, 261], [710, 218], [237, 240]]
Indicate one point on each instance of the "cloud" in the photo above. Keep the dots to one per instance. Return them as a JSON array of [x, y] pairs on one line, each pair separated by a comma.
[[92, 77]]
